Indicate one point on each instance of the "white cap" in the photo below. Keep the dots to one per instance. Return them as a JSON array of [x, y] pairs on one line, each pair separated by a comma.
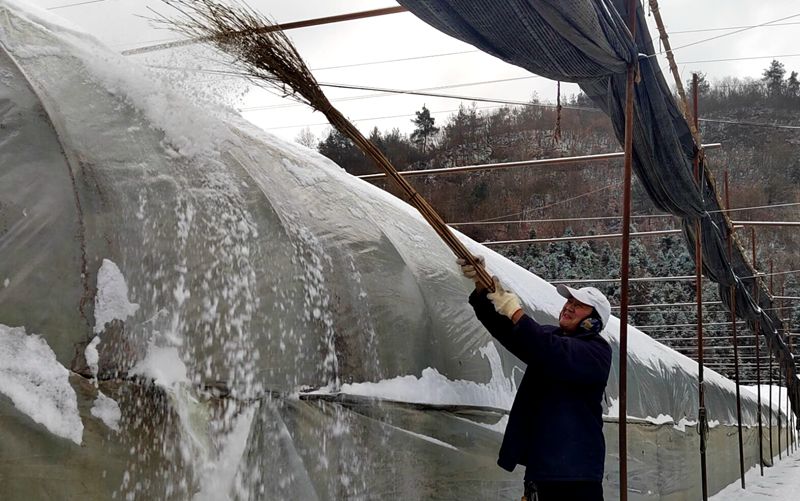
[[589, 296]]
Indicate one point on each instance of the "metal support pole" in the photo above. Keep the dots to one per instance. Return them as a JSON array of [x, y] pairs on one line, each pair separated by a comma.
[[626, 241], [756, 298], [732, 290], [771, 356], [702, 419], [780, 374], [790, 425], [788, 445], [780, 400]]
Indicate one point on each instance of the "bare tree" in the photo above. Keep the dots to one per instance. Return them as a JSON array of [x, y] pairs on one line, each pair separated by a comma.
[[307, 138]]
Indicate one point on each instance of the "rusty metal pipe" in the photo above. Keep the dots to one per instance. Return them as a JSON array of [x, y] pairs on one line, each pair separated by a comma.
[[757, 328], [732, 292], [625, 262], [702, 418]]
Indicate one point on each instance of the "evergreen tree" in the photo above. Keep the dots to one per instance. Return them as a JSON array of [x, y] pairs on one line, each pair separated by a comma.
[[343, 152], [773, 78], [425, 129], [703, 85], [793, 85]]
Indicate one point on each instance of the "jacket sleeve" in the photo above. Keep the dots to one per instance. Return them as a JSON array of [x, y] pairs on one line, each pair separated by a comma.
[[499, 326], [577, 360]]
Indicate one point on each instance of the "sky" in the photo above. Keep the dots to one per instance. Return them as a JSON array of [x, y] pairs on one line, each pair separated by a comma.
[[125, 24]]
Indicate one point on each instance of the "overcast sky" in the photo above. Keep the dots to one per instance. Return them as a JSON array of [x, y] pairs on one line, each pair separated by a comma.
[[121, 24]]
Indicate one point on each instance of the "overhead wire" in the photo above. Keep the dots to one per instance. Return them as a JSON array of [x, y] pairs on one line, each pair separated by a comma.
[[726, 28], [545, 220], [747, 28], [76, 4], [384, 93], [318, 124]]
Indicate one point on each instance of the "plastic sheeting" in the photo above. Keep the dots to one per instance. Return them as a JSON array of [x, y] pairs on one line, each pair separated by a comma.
[[554, 35], [260, 268]]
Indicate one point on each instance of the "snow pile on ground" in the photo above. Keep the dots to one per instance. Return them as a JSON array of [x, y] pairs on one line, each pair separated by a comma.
[[434, 388], [37, 383], [779, 483], [111, 301]]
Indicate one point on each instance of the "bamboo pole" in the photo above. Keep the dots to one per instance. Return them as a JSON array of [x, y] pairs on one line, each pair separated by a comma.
[[683, 102]]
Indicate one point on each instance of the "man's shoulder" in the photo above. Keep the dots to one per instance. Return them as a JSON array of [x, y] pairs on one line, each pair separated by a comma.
[[596, 339]]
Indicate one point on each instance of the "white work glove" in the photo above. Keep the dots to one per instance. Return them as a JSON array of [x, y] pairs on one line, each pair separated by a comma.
[[469, 270], [505, 303]]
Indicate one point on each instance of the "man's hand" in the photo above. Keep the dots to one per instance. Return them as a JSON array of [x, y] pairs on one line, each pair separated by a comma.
[[505, 303], [469, 270]]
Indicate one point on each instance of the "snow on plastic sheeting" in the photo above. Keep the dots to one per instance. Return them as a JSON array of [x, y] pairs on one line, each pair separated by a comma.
[[434, 388], [163, 365], [92, 356], [37, 383], [219, 476], [39, 14], [111, 301], [106, 409]]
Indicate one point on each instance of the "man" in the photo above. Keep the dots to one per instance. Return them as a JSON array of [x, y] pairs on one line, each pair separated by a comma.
[[555, 427]]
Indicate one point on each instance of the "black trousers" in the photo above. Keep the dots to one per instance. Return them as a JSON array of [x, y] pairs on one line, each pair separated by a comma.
[[563, 491]]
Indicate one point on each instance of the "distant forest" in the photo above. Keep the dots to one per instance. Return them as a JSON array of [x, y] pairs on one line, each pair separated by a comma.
[[763, 164]]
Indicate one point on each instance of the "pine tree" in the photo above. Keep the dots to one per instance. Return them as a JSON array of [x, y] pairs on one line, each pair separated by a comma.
[[773, 78], [343, 152], [425, 129], [793, 85]]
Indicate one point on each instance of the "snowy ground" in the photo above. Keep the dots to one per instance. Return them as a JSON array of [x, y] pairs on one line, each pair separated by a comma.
[[779, 483]]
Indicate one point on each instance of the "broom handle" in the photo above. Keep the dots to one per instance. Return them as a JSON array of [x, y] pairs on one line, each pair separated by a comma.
[[414, 198]]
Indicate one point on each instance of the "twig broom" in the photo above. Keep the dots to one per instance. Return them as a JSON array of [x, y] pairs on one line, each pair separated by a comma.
[[265, 54]]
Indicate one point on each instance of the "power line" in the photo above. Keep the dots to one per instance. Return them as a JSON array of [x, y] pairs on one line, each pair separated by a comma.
[[557, 203], [751, 124], [682, 278], [386, 92], [726, 28], [557, 220], [499, 101], [398, 60], [664, 305], [87, 2], [746, 58], [364, 119], [540, 162], [424, 92], [726, 34], [601, 218], [577, 238]]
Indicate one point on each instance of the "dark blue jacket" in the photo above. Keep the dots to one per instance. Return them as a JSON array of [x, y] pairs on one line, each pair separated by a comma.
[[555, 428]]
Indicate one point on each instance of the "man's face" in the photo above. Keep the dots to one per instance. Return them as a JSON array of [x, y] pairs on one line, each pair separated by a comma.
[[572, 314]]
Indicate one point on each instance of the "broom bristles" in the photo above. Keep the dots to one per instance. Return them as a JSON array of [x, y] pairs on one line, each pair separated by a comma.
[[258, 46], [266, 54]]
